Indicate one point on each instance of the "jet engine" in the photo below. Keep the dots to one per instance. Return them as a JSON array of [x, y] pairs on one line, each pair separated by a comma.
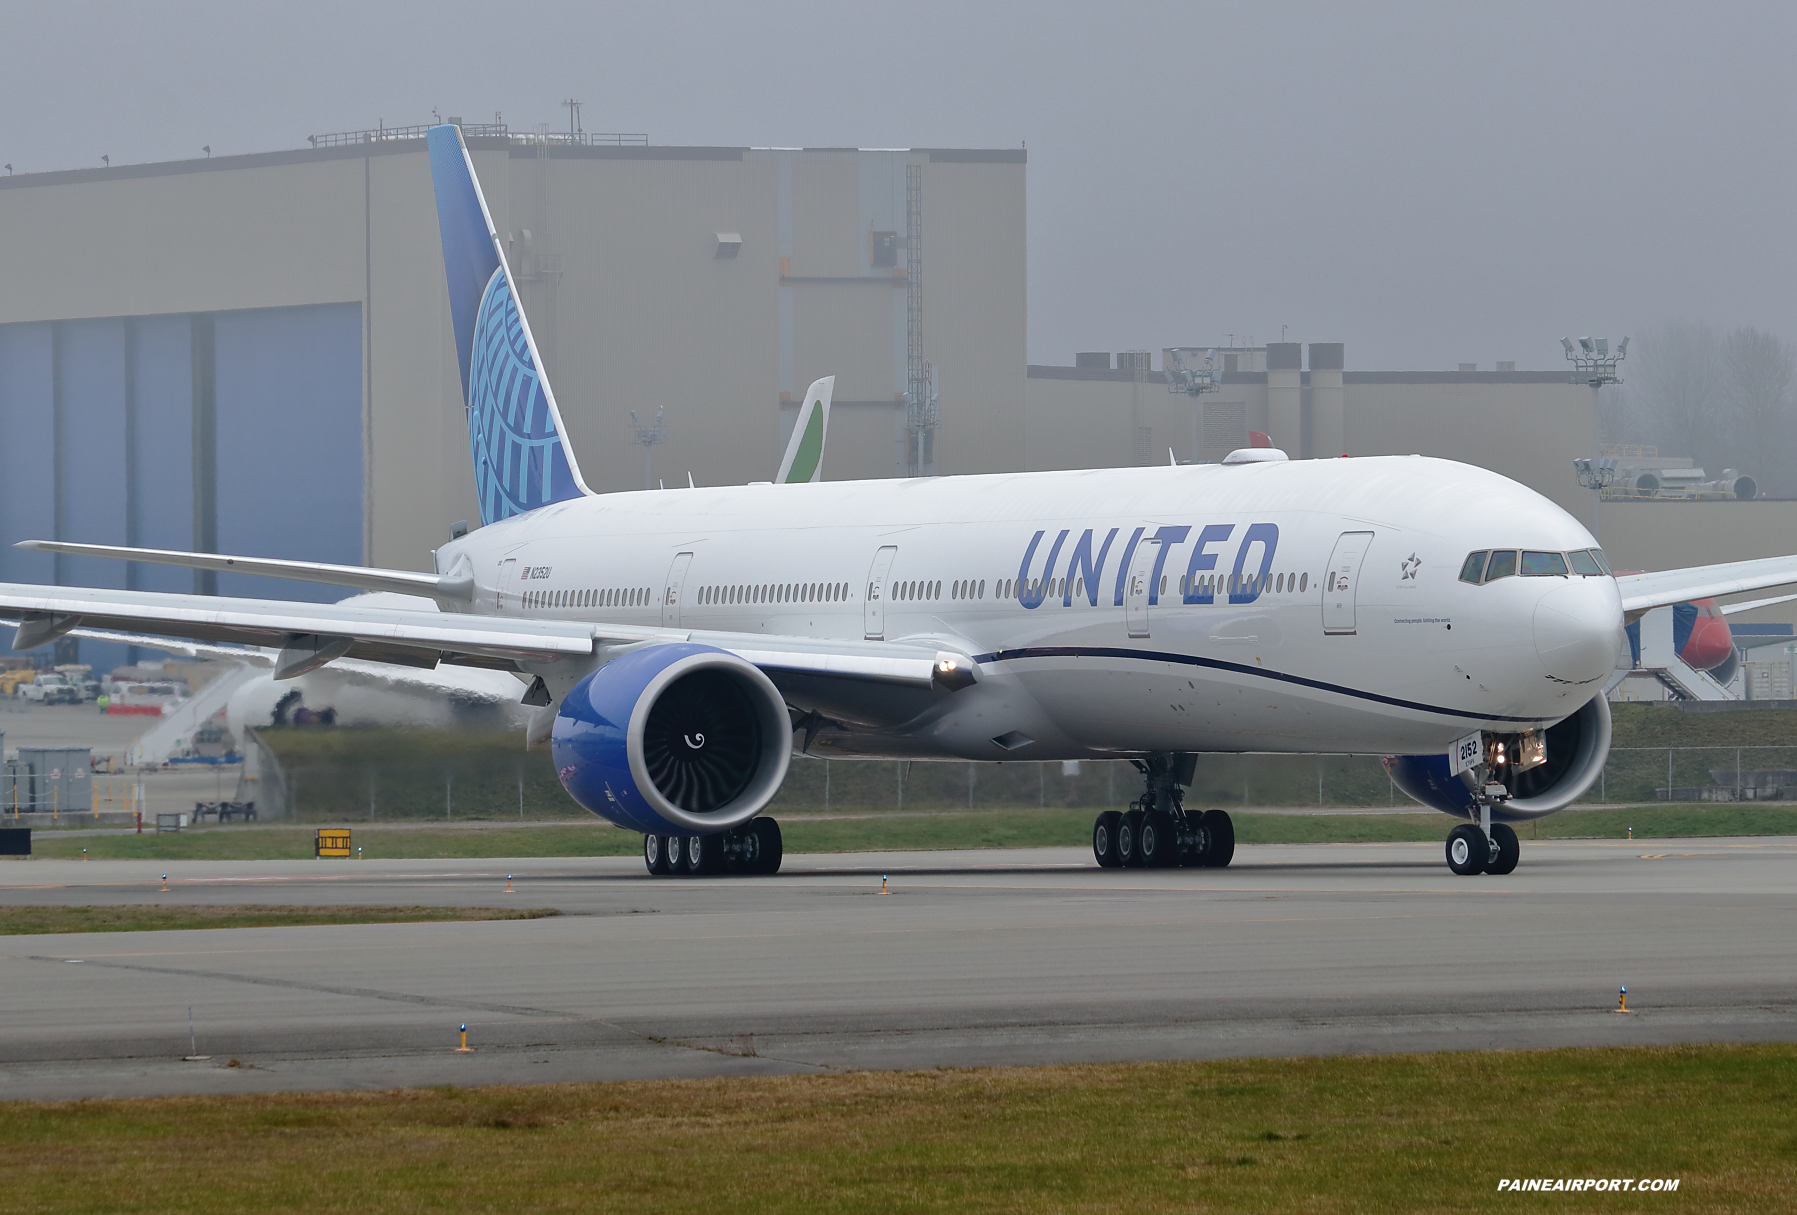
[[1544, 772], [677, 738]]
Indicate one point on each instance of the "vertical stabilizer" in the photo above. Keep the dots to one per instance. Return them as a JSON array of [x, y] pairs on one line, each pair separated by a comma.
[[521, 455], [804, 459]]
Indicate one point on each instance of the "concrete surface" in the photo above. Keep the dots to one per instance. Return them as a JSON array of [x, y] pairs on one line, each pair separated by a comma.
[[995, 957]]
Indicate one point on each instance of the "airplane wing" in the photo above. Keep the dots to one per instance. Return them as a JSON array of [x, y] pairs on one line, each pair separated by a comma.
[[309, 635], [360, 577], [1643, 591]]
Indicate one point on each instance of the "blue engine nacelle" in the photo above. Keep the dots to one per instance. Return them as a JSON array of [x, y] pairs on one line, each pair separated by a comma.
[[675, 738], [1576, 751]]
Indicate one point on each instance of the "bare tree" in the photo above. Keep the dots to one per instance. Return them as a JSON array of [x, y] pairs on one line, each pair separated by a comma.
[[1674, 386], [1759, 371]]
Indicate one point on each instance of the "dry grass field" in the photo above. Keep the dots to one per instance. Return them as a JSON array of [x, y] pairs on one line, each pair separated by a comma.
[[1356, 1134]]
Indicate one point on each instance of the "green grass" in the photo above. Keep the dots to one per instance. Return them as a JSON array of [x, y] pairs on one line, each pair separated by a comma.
[[1354, 1134], [903, 833], [22, 921]]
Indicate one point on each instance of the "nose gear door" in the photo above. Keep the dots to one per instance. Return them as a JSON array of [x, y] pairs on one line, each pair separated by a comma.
[[874, 610], [670, 599], [1341, 581], [1135, 592]]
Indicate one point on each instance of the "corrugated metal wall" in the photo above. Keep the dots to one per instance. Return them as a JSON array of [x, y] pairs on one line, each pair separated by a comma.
[[234, 431]]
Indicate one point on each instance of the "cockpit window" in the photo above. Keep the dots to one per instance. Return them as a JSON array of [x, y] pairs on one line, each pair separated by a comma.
[[1502, 565], [1475, 566], [1584, 564], [1536, 565], [1603, 562]]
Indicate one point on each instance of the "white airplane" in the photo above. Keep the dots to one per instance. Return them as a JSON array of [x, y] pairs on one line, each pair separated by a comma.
[[681, 643]]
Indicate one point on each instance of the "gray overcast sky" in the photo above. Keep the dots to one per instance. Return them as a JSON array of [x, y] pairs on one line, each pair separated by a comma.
[[1431, 183]]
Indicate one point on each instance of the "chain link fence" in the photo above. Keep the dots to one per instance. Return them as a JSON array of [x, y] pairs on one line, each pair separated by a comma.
[[495, 781]]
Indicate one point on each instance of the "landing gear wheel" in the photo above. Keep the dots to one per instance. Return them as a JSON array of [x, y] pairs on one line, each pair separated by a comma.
[[704, 855], [1219, 829], [674, 848], [655, 855], [1468, 850], [1509, 849], [1155, 843], [1129, 835], [1104, 839], [769, 846]]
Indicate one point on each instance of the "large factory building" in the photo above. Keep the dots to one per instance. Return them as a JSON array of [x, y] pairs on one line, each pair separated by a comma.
[[253, 353]]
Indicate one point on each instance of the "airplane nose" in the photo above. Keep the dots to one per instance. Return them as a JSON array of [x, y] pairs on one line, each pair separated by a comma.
[[1578, 632]]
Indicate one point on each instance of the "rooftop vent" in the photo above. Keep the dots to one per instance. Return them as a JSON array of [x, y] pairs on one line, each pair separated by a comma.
[[1093, 360], [729, 245]]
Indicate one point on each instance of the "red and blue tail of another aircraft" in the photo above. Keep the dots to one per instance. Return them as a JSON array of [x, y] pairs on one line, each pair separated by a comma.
[[521, 455]]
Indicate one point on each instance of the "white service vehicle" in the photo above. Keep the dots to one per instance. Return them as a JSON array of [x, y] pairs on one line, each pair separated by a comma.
[[50, 688], [679, 644]]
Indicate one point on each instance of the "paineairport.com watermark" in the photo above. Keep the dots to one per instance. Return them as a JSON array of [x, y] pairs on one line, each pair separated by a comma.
[[1590, 1185]]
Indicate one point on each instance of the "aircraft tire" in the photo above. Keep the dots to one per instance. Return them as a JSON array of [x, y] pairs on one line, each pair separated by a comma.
[[1219, 829], [1155, 841], [1104, 839], [1509, 850], [655, 855], [704, 855], [772, 848], [1468, 850], [1129, 832]]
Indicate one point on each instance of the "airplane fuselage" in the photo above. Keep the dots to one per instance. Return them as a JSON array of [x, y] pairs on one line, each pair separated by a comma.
[[1302, 606]]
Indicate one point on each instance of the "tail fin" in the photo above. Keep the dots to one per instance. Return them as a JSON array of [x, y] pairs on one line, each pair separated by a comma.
[[521, 455], [804, 459]]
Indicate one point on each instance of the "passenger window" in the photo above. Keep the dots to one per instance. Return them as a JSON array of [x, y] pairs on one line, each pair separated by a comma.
[[1303, 582], [1540, 565], [1473, 567], [1501, 565], [1584, 564]]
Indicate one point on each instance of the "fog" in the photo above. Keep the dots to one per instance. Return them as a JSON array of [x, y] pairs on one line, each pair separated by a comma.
[[1432, 184]]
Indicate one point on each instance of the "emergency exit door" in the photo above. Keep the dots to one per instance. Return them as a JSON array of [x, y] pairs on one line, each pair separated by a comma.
[[1341, 581], [670, 596], [874, 605], [1137, 591]]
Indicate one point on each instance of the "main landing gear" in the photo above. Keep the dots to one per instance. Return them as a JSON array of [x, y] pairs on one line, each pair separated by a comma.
[[1156, 832], [1485, 846], [753, 847]]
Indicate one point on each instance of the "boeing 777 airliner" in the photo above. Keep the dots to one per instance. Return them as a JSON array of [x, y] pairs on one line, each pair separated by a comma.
[[680, 644]]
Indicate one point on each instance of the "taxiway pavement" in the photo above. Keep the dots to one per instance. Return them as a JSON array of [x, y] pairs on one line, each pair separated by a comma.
[[972, 958]]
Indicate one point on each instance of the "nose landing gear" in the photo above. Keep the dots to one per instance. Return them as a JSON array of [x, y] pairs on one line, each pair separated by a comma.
[[1157, 832], [1485, 846]]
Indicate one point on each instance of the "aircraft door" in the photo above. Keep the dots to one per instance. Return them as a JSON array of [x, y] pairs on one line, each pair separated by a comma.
[[670, 596], [1341, 581], [1136, 590], [508, 573], [874, 611]]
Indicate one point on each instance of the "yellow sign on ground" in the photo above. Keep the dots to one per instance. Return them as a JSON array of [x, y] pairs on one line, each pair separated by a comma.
[[332, 841]]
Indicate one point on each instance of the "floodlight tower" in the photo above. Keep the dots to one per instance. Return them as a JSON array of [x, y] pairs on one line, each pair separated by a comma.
[[1194, 382], [648, 436], [1594, 363]]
